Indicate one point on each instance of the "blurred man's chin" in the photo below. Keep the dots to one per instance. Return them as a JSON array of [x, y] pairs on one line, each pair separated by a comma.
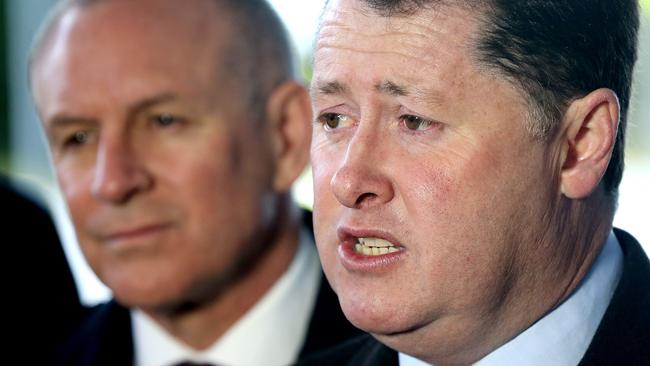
[[136, 290], [144, 298]]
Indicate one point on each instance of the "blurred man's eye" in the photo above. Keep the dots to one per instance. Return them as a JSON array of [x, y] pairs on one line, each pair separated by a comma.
[[76, 139], [164, 120], [332, 121]]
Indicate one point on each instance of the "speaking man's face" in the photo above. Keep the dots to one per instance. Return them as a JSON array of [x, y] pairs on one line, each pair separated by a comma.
[[164, 171], [428, 187]]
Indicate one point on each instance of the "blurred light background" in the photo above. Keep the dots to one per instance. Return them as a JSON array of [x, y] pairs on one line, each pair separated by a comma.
[[23, 155]]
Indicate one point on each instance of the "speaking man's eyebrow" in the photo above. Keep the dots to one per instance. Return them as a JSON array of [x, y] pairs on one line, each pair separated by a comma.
[[429, 96], [329, 88], [391, 88], [426, 95]]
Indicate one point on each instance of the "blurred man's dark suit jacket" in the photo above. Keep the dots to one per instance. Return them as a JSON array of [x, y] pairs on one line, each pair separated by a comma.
[[37, 273], [105, 335], [622, 338]]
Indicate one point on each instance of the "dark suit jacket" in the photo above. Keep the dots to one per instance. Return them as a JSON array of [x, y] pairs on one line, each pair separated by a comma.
[[622, 338], [105, 337], [37, 273]]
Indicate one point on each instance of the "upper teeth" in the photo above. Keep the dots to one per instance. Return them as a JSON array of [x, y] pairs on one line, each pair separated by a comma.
[[374, 246]]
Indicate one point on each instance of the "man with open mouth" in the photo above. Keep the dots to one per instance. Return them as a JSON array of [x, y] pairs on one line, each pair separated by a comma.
[[466, 158]]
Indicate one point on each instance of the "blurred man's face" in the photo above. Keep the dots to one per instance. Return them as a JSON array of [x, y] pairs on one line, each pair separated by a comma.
[[428, 189], [164, 171]]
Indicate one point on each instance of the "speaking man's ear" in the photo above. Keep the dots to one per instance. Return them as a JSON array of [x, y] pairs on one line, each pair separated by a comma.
[[288, 113], [588, 137]]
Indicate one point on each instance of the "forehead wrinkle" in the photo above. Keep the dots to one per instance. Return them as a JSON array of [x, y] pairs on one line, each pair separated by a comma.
[[428, 96], [369, 51], [347, 36], [414, 46], [355, 28]]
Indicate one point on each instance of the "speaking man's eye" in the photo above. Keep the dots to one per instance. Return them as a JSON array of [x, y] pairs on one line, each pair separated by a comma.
[[415, 123], [333, 121]]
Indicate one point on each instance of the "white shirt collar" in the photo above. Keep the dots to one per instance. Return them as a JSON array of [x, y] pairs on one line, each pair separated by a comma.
[[270, 333], [562, 336]]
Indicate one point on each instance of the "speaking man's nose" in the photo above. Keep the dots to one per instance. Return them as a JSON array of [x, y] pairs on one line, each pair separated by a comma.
[[359, 181]]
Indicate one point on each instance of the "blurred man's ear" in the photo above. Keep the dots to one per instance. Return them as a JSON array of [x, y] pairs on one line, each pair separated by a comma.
[[288, 113], [588, 138]]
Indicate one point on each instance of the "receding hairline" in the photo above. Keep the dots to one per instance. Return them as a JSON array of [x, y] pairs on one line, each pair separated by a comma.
[[51, 25], [257, 64]]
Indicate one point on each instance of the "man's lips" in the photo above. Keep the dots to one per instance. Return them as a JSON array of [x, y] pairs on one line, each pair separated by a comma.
[[134, 232], [369, 239], [366, 250]]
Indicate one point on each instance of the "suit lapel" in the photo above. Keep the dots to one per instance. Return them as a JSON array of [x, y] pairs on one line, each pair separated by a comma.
[[623, 336], [327, 326], [105, 338]]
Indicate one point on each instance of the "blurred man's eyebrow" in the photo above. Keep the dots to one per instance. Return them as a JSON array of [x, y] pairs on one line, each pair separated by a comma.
[[152, 101], [63, 120]]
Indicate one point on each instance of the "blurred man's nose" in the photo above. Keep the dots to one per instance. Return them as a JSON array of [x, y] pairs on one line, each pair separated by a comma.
[[119, 172]]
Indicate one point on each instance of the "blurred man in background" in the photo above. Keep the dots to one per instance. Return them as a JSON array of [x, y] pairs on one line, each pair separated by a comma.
[[176, 129]]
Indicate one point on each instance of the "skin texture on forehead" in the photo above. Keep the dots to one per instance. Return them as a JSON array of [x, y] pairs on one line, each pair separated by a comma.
[[417, 51], [157, 26]]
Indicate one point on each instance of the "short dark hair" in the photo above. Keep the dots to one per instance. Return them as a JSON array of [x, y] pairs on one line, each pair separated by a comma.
[[554, 51], [257, 58]]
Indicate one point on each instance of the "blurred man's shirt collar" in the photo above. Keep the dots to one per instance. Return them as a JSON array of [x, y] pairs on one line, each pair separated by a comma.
[[256, 338], [562, 336]]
